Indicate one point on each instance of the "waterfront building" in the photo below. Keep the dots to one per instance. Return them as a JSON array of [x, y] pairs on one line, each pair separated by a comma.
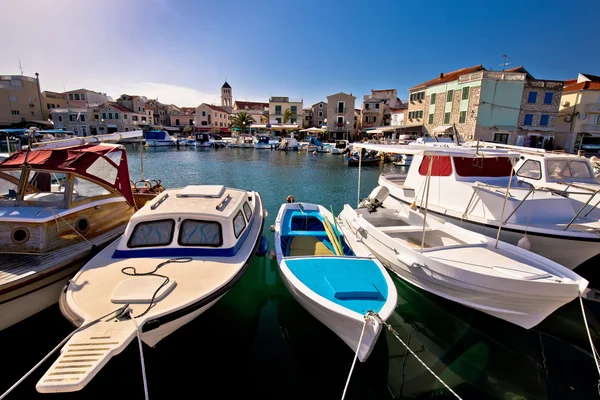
[[319, 114], [258, 110], [278, 105], [20, 100], [578, 122], [79, 112], [340, 112], [510, 107], [157, 113], [184, 117], [376, 108], [307, 121], [52, 100], [211, 118], [80, 97]]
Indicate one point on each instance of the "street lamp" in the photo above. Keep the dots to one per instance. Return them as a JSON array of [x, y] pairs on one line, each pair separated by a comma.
[[243, 127]]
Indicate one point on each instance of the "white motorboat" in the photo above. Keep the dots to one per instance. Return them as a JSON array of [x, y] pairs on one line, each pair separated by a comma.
[[263, 142], [241, 141], [178, 256], [289, 144], [337, 286], [340, 147], [60, 202], [565, 174], [476, 189], [403, 160], [497, 278], [160, 139], [204, 139]]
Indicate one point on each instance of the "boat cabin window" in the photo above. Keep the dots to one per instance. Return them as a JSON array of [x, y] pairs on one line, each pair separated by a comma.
[[46, 188], [84, 189], [200, 233], [9, 185], [482, 166], [441, 166], [152, 234], [530, 169], [239, 224], [103, 170], [247, 210], [567, 170]]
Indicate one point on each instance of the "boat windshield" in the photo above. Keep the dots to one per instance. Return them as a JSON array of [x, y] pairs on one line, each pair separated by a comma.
[[568, 170], [340, 145], [9, 185]]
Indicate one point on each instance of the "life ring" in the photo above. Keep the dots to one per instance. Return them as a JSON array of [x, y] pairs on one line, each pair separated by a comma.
[[290, 199]]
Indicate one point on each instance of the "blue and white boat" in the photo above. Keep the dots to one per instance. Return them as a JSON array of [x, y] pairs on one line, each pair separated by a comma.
[[263, 142], [335, 285], [204, 139], [159, 139]]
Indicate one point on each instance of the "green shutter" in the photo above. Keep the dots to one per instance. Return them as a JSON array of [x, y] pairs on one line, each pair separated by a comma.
[[430, 119], [447, 118], [450, 96], [465, 93], [432, 99], [463, 117]]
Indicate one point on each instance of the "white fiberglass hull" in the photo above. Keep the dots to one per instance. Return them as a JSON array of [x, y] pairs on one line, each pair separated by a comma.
[[160, 143], [263, 146], [524, 301]]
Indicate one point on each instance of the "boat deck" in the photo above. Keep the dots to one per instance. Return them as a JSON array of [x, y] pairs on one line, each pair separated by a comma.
[[14, 267]]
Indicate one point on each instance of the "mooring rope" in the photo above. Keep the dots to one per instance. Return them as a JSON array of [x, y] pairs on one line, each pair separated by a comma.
[[139, 337], [367, 319], [587, 328], [391, 329], [52, 209]]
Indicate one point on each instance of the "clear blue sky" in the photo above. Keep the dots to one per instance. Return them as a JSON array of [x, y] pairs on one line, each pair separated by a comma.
[[181, 51]]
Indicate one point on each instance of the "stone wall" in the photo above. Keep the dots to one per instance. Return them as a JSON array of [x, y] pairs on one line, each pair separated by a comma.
[[538, 108]]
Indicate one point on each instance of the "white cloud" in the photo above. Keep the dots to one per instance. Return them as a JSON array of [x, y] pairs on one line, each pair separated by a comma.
[[166, 94]]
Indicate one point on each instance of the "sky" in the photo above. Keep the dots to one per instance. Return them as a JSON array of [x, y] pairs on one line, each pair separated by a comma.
[[181, 51]]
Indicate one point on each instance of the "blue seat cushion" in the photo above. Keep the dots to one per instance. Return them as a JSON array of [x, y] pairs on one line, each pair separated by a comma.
[[348, 287]]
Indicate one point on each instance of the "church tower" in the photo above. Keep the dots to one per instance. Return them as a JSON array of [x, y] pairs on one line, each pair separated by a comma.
[[226, 97]]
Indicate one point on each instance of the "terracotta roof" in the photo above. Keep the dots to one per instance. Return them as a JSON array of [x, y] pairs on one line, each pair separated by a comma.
[[215, 108], [448, 77], [116, 106], [250, 105], [148, 107], [581, 86], [398, 109], [382, 90], [188, 110]]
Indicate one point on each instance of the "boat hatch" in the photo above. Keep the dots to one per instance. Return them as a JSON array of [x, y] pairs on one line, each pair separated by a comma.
[[142, 290], [202, 191]]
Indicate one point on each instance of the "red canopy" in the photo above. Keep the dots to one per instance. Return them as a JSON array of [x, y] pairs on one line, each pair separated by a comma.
[[88, 160]]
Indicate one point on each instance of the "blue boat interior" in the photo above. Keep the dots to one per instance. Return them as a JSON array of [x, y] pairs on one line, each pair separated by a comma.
[[155, 135], [303, 234], [353, 283]]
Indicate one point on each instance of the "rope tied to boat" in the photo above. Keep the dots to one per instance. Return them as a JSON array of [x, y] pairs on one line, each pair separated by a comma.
[[52, 209], [594, 351], [153, 273], [139, 337], [368, 318], [391, 329]]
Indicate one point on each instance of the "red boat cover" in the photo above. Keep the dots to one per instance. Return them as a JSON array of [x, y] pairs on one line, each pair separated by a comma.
[[88, 160]]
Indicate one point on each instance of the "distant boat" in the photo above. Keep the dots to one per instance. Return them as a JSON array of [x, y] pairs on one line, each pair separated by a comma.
[[263, 142], [159, 139]]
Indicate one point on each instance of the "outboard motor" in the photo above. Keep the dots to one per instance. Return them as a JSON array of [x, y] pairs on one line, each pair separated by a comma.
[[375, 198]]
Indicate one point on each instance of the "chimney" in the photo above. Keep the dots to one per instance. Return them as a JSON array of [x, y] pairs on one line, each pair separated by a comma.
[[441, 75]]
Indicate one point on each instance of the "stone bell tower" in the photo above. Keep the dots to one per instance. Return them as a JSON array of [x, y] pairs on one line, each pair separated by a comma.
[[226, 97]]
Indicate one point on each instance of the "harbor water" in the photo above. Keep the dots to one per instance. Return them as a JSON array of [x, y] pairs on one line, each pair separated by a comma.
[[257, 342]]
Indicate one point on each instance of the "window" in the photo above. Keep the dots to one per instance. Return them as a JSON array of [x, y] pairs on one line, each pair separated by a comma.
[[465, 93], [340, 107], [490, 167], [432, 99], [177, 122], [96, 116], [528, 119], [441, 166], [220, 124], [450, 96], [76, 95], [204, 113], [72, 117], [530, 169], [320, 113], [116, 115], [152, 234], [340, 120], [247, 211], [82, 118], [82, 96], [501, 138], [431, 119], [321, 105], [447, 118], [15, 112], [220, 115], [410, 114], [103, 115], [377, 105], [124, 116], [320, 122], [200, 233], [277, 109], [278, 120], [548, 97], [366, 106], [544, 120], [239, 224], [135, 118], [144, 118], [420, 114], [561, 170], [139, 109], [532, 97], [60, 118], [191, 122], [462, 118], [294, 109], [110, 116], [70, 96]]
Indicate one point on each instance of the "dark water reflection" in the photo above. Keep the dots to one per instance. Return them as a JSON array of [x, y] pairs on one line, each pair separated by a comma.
[[257, 342]]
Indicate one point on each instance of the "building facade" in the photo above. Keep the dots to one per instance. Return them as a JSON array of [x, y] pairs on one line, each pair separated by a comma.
[[259, 111], [340, 112], [52, 100], [376, 108], [578, 122], [307, 120], [211, 118], [319, 114], [20, 100], [226, 97], [185, 117], [277, 107]]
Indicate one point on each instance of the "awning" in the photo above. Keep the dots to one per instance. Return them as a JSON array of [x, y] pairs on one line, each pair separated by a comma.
[[375, 131], [505, 128], [442, 129], [276, 127], [536, 128]]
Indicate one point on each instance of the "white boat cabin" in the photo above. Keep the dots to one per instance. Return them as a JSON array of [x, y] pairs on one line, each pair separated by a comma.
[[196, 221]]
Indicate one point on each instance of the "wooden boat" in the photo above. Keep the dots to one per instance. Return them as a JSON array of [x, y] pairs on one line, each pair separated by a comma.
[[178, 256], [499, 279], [59, 205], [333, 283]]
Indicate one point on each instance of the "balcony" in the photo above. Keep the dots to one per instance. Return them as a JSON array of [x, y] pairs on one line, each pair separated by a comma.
[[592, 109], [591, 128]]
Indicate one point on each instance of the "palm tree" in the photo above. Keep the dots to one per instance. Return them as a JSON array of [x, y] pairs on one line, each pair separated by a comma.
[[288, 115], [241, 120]]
